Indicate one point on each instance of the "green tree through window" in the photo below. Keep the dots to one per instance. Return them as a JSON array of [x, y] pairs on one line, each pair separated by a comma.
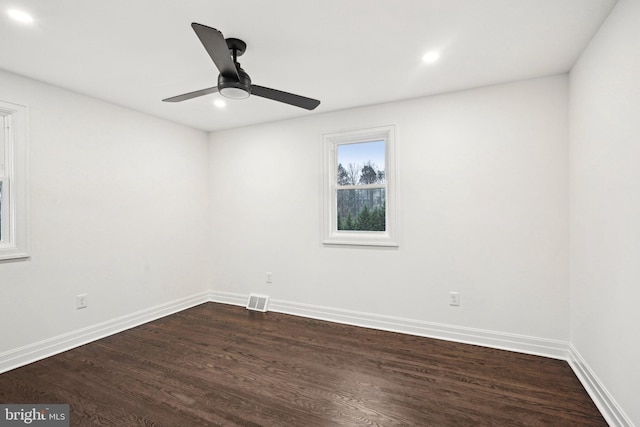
[[361, 187]]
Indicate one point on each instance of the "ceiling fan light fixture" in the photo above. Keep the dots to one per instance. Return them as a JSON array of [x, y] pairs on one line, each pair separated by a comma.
[[234, 93], [233, 88]]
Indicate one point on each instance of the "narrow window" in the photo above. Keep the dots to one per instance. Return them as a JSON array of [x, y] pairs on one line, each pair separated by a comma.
[[2, 176], [13, 181], [359, 206]]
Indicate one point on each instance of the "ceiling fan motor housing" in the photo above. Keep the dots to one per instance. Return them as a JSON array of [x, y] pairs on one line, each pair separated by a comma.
[[229, 87]]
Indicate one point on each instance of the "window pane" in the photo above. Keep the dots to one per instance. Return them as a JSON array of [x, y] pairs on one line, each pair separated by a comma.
[[362, 210], [361, 163]]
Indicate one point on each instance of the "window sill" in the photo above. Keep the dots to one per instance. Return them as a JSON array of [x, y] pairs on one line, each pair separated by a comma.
[[9, 254], [357, 238]]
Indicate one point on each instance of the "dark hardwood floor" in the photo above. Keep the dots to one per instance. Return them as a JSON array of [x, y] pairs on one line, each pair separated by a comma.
[[216, 364]]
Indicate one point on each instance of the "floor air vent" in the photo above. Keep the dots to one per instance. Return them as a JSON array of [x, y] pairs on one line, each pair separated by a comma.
[[258, 302]]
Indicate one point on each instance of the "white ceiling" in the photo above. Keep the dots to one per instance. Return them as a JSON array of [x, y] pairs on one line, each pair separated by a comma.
[[346, 53]]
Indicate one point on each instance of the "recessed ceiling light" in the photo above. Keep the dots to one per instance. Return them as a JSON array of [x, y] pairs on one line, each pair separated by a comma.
[[20, 16], [431, 56], [219, 103]]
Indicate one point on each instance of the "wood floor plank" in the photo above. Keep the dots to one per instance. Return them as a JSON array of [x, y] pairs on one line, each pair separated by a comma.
[[219, 365]]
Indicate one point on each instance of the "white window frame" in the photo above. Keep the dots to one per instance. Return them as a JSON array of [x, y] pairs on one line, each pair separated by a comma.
[[331, 234], [14, 174]]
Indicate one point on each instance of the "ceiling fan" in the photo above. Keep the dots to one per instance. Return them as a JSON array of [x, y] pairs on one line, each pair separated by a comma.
[[233, 81]]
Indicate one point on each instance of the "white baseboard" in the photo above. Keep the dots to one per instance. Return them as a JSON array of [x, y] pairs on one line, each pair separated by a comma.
[[39, 350], [230, 298], [500, 340], [612, 413], [520, 343]]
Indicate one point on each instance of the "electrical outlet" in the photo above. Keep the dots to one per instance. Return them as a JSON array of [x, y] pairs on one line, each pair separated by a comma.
[[454, 299], [81, 301], [269, 277]]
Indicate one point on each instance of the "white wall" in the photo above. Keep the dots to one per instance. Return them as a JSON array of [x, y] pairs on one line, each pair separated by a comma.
[[484, 211], [118, 211], [605, 206]]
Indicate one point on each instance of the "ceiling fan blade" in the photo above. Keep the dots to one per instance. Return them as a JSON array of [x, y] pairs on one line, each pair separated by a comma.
[[190, 95], [286, 97], [216, 46]]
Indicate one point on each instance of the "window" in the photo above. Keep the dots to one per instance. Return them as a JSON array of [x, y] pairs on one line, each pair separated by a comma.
[[359, 192], [13, 181], [3, 207]]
